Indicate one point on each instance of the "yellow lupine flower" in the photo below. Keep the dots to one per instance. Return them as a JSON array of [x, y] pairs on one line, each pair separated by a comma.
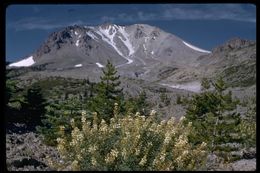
[[75, 165], [143, 161], [72, 122]]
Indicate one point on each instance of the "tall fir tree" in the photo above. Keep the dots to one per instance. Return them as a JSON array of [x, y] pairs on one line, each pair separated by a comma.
[[33, 106], [212, 114], [108, 92], [59, 113]]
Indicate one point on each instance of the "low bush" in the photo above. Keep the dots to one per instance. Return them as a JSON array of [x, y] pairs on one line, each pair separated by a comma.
[[135, 143]]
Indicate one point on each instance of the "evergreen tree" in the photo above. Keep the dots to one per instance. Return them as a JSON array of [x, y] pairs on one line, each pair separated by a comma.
[[138, 104], [108, 92], [205, 84], [212, 116], [59, 113], [10, 88], [33, 106], [165, 99]]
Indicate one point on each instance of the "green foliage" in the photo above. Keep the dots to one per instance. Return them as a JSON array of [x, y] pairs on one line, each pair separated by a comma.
[[165, 99], [178, 99], [33, 106], [59, 113], [107, 93], [130, 144], [243, 75], [10, 88], [138, 104], [248, 124], [213, 116], [205, 84]]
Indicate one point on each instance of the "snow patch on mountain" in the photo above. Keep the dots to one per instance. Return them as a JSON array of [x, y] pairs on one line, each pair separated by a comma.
[[78, 65], [196, 48], [108, 37], [194, 86], [144, 47], [23, 63], [77, 43], [99, 65], [92, 35], [104, 33], [127, 42], [76, 33]]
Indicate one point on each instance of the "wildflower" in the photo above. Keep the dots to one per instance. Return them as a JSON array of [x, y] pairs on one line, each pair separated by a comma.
[[79, 157], [152, 113], [182, 118], [124, 153], [62, 130], [203, 145], [115, 109], [138, 136], [182, 142], [143, 118], [137, 151], [103, 126], [137, 114], [110, 158], [162, 122], [75, 165], [167, 138], [83, 113], [72, 122], [171, 121], [93, 161], [117, 126], [162, 157], [143, 161], [83, 119], [92, 149]]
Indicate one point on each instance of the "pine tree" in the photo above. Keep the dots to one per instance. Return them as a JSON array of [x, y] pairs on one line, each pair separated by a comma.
[[212, 116], [33, 106], [108, 92], [59, 113]]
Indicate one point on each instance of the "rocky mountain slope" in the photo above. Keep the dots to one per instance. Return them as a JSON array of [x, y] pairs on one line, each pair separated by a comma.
[[141, 52], [136, 50]]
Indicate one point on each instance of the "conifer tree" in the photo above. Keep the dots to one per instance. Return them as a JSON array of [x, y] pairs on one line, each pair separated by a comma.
[[33, 106], [210, 113], [59, 113], [108, 92]]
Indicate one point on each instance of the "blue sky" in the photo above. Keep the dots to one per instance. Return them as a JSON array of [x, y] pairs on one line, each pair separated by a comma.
[[204, 25]]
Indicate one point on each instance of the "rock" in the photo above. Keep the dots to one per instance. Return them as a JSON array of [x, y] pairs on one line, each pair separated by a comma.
[[244, 165], [30, 154], [212, 161], [238, 154], [250, 153]]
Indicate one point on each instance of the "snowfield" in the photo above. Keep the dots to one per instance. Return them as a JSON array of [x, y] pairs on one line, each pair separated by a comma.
[[108, 37], [78, 65], [23, 63], [99, 65], [196, 48], [77, 43], [190, 86]]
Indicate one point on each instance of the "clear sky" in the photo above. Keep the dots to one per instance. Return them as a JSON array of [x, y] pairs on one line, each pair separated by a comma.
[[203, 25]]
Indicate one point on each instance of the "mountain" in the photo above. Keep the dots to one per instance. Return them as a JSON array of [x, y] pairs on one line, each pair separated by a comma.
[[141, 52], [136, 50]]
